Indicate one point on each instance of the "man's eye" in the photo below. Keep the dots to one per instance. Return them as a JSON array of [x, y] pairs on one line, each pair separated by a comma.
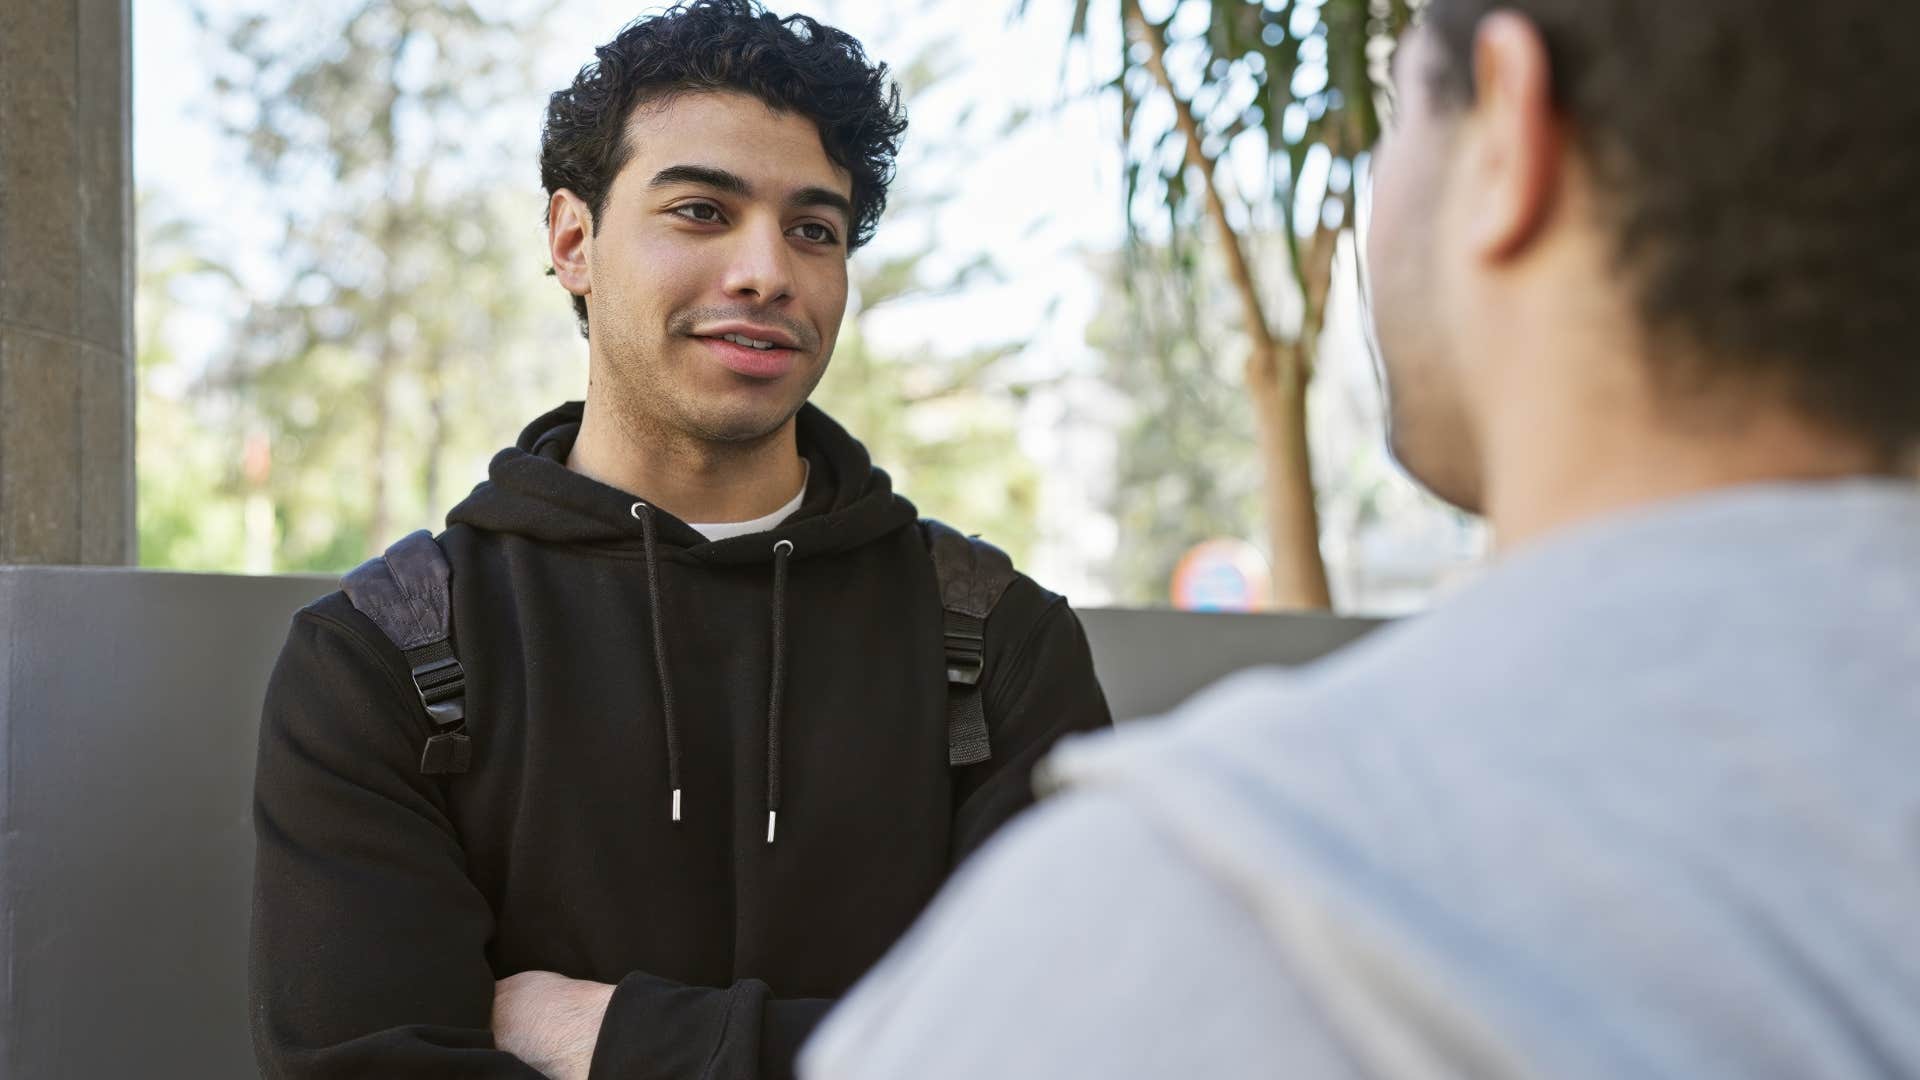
[[699, 211], [816, 233]]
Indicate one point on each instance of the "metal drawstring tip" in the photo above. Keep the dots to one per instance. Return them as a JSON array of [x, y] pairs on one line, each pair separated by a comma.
[[676, 804], [772, 817]]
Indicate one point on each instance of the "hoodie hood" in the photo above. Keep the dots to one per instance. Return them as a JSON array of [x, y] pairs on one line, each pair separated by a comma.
[[530, 492]]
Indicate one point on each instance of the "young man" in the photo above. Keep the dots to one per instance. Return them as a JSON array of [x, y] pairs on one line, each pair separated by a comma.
[[1646, 800], [704, 773]]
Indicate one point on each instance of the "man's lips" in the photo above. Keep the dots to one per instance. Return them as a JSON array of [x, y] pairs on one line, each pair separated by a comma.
[[749, 361], [758, 332]]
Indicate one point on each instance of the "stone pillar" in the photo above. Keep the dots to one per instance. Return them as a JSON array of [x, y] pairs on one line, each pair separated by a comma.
[[66, 282]]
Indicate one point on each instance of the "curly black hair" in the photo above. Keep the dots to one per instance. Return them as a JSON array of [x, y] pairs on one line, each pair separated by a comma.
[[794, 64]]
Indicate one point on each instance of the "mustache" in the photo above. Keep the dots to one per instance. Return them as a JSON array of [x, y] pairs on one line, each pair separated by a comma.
[[684, 323]]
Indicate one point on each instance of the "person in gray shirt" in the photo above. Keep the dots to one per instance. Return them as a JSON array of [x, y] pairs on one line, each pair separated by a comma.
[[1644, 801]]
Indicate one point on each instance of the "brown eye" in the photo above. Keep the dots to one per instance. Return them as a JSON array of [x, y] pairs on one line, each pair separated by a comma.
[[816, 233], [704, 212]]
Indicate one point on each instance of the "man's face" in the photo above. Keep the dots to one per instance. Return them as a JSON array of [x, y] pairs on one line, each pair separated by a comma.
[[1410, 279], [729, 221]]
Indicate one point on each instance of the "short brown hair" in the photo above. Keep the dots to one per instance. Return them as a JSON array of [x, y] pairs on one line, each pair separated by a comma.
[[1761, 160]]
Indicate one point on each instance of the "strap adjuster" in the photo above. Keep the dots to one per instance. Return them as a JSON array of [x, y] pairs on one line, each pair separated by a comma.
[[966, 648], [441, 683]]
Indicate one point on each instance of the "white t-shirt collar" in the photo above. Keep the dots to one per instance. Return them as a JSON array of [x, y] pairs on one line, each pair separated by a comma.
[[727, 530]]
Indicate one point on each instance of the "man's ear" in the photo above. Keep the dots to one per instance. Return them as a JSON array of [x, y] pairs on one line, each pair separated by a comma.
[[1517, 139], [570, 241]]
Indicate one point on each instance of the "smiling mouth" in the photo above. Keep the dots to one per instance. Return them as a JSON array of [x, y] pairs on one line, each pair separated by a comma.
[[754, 358], [751, 343]]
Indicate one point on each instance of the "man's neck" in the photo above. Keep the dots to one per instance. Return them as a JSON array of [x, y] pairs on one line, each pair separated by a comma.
[[691, 478], [1551, 475]]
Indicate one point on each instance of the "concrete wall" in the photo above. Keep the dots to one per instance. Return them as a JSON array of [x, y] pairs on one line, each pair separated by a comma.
[[66, 282], [129, 703]]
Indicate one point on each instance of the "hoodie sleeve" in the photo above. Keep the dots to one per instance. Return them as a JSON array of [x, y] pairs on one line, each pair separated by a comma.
[[368, 944], [655, 1028], [367, 952], [1040, 686]]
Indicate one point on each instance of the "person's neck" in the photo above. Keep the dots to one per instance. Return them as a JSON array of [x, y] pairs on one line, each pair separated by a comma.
[[694, 479], [1546, 473]]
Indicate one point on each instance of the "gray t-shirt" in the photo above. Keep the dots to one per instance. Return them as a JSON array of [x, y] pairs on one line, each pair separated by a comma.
[[1643, 802]]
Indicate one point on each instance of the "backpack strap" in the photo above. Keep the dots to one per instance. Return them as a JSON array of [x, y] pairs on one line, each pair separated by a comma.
[[405, 592], [972, 574]]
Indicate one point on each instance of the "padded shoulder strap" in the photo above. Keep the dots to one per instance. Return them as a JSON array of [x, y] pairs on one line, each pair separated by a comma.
[[973, 575], [406, 593]]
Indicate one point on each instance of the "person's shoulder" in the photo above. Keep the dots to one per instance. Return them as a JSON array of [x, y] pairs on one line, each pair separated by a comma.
[[331, 638], [335, 611], [1022, 605], [334, 615], [1027, 602]]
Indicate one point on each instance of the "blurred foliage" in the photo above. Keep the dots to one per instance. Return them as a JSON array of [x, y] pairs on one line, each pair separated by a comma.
[[1302, 82], [945, 427], [190, 513], [1203, 88], [1186, 467], [403, 321]]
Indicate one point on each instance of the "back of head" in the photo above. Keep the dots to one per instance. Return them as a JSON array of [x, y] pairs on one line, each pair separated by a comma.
[[1757, 164]]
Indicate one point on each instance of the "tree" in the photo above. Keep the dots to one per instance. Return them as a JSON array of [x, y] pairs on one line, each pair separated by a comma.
[[400, 327], [190, 515], [945, 426], [1296, 83], [1183, 470]]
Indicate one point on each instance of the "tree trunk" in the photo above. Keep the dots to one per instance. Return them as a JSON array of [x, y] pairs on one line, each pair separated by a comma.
[[1278, 390], [1276, 373]]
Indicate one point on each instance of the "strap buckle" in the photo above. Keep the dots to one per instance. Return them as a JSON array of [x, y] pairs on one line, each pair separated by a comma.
[[442, 684], [966, 648]]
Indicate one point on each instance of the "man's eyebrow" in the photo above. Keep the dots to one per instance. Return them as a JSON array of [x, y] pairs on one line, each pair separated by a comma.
[[734, 184], [824, 197], [704, 176]]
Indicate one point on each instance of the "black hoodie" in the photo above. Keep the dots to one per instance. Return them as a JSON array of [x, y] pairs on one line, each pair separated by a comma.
[[621, 668]]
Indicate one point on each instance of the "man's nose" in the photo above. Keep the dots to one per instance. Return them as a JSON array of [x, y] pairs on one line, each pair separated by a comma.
[[761, 268]]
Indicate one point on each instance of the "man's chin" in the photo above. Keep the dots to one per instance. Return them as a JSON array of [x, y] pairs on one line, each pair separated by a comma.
[[742, 423]]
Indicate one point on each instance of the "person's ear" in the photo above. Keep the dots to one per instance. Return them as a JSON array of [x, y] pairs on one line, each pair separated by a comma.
[[1515, 160], [570, 241]]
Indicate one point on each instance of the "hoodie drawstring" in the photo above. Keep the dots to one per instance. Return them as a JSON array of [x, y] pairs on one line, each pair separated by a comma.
[[644, 514], [777, 690]]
